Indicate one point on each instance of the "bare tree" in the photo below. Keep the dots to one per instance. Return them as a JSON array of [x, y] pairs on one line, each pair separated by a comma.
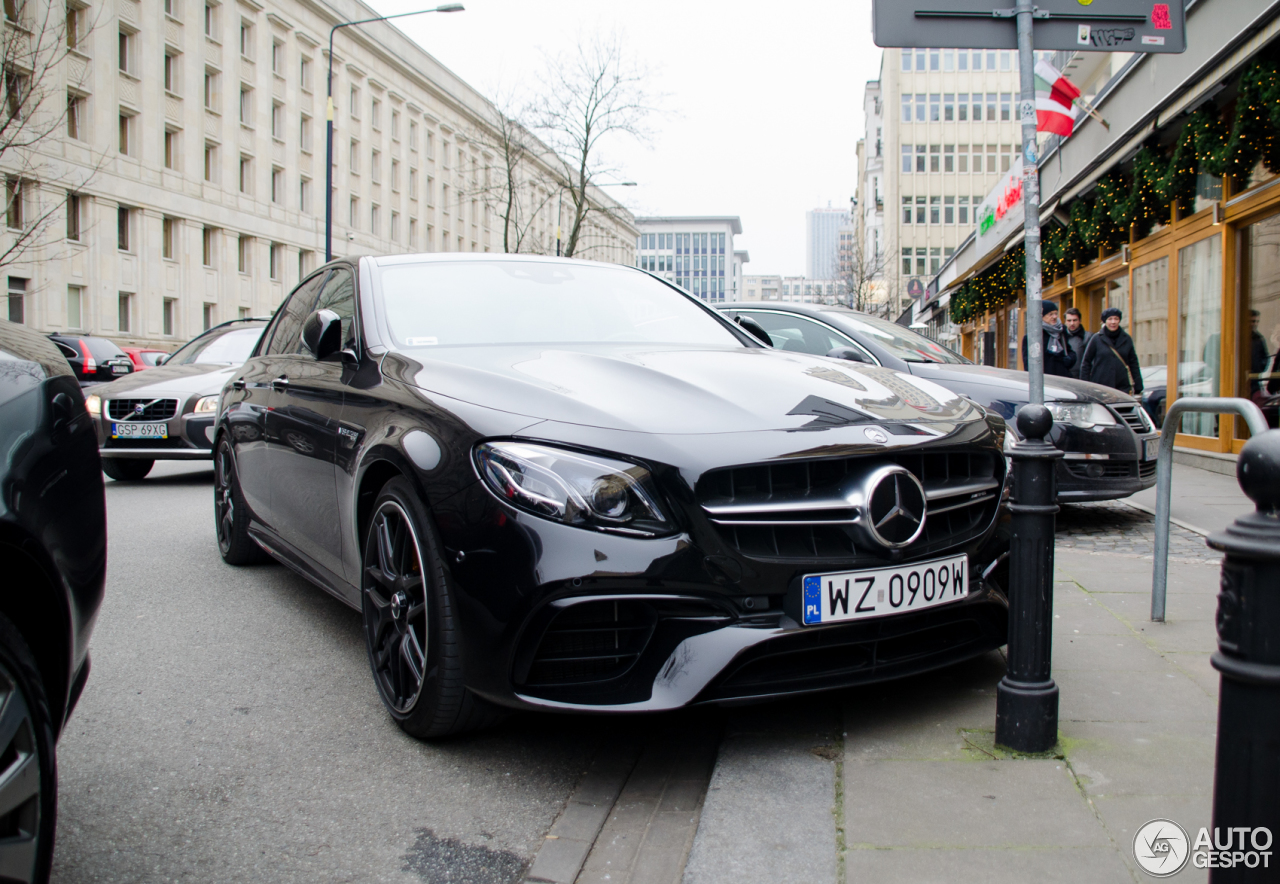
[[516, 187], [42, 75], [861, 273], [588, 97]]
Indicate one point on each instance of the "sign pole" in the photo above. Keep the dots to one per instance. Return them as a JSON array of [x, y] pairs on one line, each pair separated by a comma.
[[1030, 197]]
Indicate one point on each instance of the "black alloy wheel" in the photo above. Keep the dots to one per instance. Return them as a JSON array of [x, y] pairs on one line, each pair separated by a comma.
[[28, 771], [231, 516], [408, 622], [127, 469]]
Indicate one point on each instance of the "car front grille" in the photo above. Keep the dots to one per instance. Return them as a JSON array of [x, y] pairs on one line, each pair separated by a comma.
[[797, 511], [1146, 469], [1101, 469], [1132, 416], [152, 409], [592, 642]]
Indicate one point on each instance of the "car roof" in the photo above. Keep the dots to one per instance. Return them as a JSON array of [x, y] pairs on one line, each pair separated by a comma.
[[486, 257]]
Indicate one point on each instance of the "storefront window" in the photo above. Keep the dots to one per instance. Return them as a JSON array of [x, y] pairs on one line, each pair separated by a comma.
[[1150, 324], [1260, 307], [1200, 328]]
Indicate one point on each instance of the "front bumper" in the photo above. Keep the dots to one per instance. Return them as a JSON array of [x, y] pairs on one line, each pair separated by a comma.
[[1101, 464], [190, 438]]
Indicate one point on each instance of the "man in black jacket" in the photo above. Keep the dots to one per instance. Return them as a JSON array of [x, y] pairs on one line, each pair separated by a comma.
[[1110, 358], [1077, 337], [1058, 357]]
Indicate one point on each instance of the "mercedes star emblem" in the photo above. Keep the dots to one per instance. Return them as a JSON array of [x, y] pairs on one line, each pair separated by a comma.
[[895, 506]]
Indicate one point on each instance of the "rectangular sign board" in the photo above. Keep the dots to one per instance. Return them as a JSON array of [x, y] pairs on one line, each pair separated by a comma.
[[1002, 212], [1100, 26]]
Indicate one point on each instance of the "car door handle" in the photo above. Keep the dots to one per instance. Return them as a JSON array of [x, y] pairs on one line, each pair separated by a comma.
[[237, 384], [280, 384]]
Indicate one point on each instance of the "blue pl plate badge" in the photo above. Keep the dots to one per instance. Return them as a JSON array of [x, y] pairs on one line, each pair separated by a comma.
[[812, 600]]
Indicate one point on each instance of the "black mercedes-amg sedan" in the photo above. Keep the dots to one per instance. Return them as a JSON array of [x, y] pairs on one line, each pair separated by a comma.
[[558, 484], [53, 551]]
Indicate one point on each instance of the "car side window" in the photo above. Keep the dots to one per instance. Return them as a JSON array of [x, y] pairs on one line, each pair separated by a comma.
[[339, 295], [286, 338], [800, 335]]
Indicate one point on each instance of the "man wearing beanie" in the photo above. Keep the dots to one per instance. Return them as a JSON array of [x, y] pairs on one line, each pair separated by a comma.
[[1058, 357], [1109, 357]]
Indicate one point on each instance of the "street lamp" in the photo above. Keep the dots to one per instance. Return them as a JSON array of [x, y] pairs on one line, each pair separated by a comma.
[[560, 202], [328, 152]]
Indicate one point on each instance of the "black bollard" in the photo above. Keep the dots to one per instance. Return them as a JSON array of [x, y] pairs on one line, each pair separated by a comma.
[[1027, 698], [1246, 773]]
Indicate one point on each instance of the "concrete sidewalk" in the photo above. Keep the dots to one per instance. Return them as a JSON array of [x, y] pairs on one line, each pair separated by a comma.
[[1202, 500], [918, 792]]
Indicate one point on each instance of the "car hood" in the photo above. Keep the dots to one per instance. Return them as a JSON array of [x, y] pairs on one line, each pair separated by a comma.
[[177, 381], [671, 390], [1014, 386]]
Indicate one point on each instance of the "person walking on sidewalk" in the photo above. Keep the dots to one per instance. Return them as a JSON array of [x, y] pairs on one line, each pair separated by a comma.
[[1077, 338], [1058, 358], [1110, 358]]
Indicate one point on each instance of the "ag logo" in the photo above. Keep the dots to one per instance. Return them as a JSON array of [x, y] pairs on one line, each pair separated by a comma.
[[1161, 848]]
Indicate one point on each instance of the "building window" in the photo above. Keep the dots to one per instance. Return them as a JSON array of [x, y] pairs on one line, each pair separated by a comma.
[[375, 220], [207, 241], [964, 210], [354, 98], [126, 134], [935, 105], [246, 39], [277, 185], [949, 210], [934, 59], [992, 157], [413, 233], [304, 72], [75, 26], [991, 107], [172, 71], [171, 152], [304, 134], [274, 255], [353, 213], [906, 107], [431, 145], [244, 246], [906, 210], [906, 159], [169, 238], [211, 90], [949, 107], [125, 53], [935, 158], [355, 157], [920, 211], [124, 311], [73, 217], [210, 162], [1006, 157], [75, 117], [962, 158], [277, 120], [17, 299], [906, 262], [75, 306], [246, 106], [123, 231], [921, 108], [246, 175], [413, 184], [948, 59], [304, 262], [920, 262], [1006, 101], [166, 316], [395, 125], [395, 226], [413, 135], [935, 210], [211, 20], [304, 196], [431, 191], [375, 167], [277, 58], [395, 175], [962, 106], [375, 114], [920, 156], [935, 260], [948, 158], [208, 316]]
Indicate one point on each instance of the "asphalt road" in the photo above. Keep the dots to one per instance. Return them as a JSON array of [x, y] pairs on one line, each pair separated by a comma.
[[230, 731]]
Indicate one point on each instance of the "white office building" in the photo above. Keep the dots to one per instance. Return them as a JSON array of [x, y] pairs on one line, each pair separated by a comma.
[[822, 241], [695, 252]]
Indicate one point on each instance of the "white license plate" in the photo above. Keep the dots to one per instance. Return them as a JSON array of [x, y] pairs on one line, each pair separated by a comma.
[[858, 595], [140, 431], [119, 369], [1151, 448]]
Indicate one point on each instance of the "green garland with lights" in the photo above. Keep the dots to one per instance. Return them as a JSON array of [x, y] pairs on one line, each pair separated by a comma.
[[1141, 197]]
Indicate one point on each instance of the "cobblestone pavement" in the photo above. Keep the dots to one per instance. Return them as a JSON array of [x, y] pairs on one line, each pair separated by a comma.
[[1112, 526]]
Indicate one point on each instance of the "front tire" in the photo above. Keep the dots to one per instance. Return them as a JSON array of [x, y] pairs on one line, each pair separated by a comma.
[[126, 469], [409, 622], [231, 516], [28, 765]]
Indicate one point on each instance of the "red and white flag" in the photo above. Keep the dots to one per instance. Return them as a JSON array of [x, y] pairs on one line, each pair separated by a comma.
[[1054, 97]]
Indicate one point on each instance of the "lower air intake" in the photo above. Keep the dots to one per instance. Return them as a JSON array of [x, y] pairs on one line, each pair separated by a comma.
[[592, 642]]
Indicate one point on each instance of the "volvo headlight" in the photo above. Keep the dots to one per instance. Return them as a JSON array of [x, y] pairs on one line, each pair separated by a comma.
[[206, 404], [93, 404], [583, 490], [1081, 414]]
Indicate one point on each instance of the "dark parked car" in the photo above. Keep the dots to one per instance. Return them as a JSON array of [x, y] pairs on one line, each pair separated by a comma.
[[94, 360], [53, 546], [1109, 441], [567, 485], [167, 412]]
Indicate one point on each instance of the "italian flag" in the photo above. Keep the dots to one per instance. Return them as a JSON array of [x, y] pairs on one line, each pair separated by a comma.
[[1054, 95]]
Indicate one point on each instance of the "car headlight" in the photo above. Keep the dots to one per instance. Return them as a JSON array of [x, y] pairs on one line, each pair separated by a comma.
[[1010, 440], [206, 404], [1081, 414], [577, 489], [93, 404]]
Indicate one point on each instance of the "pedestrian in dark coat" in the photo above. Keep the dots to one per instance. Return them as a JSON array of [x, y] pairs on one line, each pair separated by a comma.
[[1110, 358], [1077, 338], [1058, 357]]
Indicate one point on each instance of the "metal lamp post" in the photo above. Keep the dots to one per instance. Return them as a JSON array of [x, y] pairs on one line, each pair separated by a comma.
[[328, 152]]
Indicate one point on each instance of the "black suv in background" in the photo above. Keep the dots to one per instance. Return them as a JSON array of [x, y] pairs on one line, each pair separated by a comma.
[[53, 547], [94, 360]]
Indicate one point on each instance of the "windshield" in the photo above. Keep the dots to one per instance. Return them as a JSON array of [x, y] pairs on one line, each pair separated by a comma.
[[229, 347], [533, 302], [901, 342]]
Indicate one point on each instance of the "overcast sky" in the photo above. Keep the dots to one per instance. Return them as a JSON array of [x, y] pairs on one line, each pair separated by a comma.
[[764, 105]]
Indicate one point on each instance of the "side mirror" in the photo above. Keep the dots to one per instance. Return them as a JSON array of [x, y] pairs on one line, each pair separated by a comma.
[[322, 333], [756, 329], [847, 353], [162, 359]]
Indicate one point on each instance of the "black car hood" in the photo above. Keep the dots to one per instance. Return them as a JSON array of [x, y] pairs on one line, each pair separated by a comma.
[[178, 381], [1013, 386], [670, 390]]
